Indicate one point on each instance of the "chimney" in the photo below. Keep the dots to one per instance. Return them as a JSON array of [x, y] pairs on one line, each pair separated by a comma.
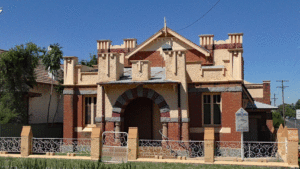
[[206, 41], [130, 43], [266, 92], [235, 37], [103, 45]]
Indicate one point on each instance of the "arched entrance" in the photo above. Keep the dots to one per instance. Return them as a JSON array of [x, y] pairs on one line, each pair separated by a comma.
[[144, 114], [143, 108]]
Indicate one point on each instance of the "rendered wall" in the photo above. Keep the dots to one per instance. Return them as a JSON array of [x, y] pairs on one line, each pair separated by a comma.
[[38, 106]]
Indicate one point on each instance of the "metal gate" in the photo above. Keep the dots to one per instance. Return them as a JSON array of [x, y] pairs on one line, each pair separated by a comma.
[[114, 147]]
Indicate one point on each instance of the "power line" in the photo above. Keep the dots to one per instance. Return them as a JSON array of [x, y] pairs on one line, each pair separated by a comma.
[[200, 17], [274, 98], [282, 87]]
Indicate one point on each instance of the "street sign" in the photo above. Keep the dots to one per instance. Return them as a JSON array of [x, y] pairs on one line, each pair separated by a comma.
[[242, 121], [298, 114]]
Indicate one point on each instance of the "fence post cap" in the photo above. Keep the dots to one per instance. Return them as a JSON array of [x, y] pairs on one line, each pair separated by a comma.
[[209, 133], [26, 131], [133, 132], [96, 132]]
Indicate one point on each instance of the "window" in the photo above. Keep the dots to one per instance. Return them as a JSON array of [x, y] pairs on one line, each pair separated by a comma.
[[211, 109], [90, 109]]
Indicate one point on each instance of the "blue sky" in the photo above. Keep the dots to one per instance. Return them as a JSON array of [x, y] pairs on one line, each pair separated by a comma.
[[271, 29]]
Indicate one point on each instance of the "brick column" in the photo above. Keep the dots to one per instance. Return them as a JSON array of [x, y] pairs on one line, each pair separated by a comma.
[[209, 138], [26, 141], [185, 131], [133, 143], [173, 131], [69, 115], [292, 154], [96, 143]]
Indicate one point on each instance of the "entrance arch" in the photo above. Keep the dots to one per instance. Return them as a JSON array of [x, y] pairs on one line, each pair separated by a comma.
[[131, 94], [143, 108]]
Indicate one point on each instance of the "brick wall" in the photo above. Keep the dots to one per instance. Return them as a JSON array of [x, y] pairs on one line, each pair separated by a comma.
[[231, 103], [173, 131], [153, 56], [157, 60]]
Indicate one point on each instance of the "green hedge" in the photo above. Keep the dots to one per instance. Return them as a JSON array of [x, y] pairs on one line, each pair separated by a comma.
[[88, 164]]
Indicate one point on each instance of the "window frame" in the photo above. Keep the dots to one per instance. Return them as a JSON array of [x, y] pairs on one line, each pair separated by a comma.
[[211, 109], [93, 114]]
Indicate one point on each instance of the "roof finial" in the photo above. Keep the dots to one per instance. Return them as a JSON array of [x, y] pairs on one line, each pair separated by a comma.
[[165, 21]]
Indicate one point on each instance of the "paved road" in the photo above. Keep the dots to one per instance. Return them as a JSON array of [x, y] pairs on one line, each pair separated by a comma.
[[291, 124]]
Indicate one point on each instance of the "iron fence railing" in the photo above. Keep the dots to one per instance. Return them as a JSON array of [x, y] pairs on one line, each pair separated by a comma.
[[252, 149], [114, 147], [62, 145], [10, 144], [170, 148]]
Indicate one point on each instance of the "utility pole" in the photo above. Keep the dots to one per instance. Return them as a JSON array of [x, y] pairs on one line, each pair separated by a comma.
[[274, 99], [282, 87]]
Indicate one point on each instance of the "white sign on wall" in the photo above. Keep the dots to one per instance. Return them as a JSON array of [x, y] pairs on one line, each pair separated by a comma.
[[298, 114], [242, 120]]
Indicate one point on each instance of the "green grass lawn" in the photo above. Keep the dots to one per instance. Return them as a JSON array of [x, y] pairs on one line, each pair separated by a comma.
[[64, 163]]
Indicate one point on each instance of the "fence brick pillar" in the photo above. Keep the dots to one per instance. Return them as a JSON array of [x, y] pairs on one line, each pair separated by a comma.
[[26, 141], [292, 152], [209, 138], [280, 140], [133, 143], [96, 143]]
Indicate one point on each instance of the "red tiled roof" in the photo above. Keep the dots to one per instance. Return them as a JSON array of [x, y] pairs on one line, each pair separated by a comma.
[[42, 75]]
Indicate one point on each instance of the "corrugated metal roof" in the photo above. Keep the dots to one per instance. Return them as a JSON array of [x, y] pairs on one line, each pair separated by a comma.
[[259, 105]]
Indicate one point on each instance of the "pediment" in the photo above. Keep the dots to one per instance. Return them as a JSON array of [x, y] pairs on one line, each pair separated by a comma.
[[164, 39]]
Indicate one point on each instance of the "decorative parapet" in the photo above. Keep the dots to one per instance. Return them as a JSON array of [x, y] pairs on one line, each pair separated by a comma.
[[141, 70], [109, 67], [207, 41], [175, 65], [235, 37], [103, 45]]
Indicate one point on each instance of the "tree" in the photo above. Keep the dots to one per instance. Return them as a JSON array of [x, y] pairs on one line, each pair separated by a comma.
[[93, 61], [289, 110], [297, 105], [51, 60], [16, 78], [277, 119]]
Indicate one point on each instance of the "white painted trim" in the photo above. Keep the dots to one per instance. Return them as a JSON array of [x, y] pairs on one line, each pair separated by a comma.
[[217, 130], [86, 129]]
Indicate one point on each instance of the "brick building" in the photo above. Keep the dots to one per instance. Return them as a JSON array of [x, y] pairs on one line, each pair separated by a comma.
[[167, 84]]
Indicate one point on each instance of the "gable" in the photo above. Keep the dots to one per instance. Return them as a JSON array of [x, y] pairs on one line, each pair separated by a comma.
[[156, 41]]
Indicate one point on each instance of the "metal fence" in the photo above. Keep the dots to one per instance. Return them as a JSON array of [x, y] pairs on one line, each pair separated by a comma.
[[252, 150], [170, 148], [62, 146], [10, 144], [114, 147]]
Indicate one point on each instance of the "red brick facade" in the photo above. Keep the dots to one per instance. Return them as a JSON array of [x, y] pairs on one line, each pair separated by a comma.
[[69, 116]]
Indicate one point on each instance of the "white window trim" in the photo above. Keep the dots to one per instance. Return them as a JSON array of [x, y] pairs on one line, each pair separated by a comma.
[[211, 107], [92, 111]]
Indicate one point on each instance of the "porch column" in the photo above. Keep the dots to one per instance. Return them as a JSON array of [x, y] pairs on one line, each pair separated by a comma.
[[100, 114], [117, 130], [165, 131]]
